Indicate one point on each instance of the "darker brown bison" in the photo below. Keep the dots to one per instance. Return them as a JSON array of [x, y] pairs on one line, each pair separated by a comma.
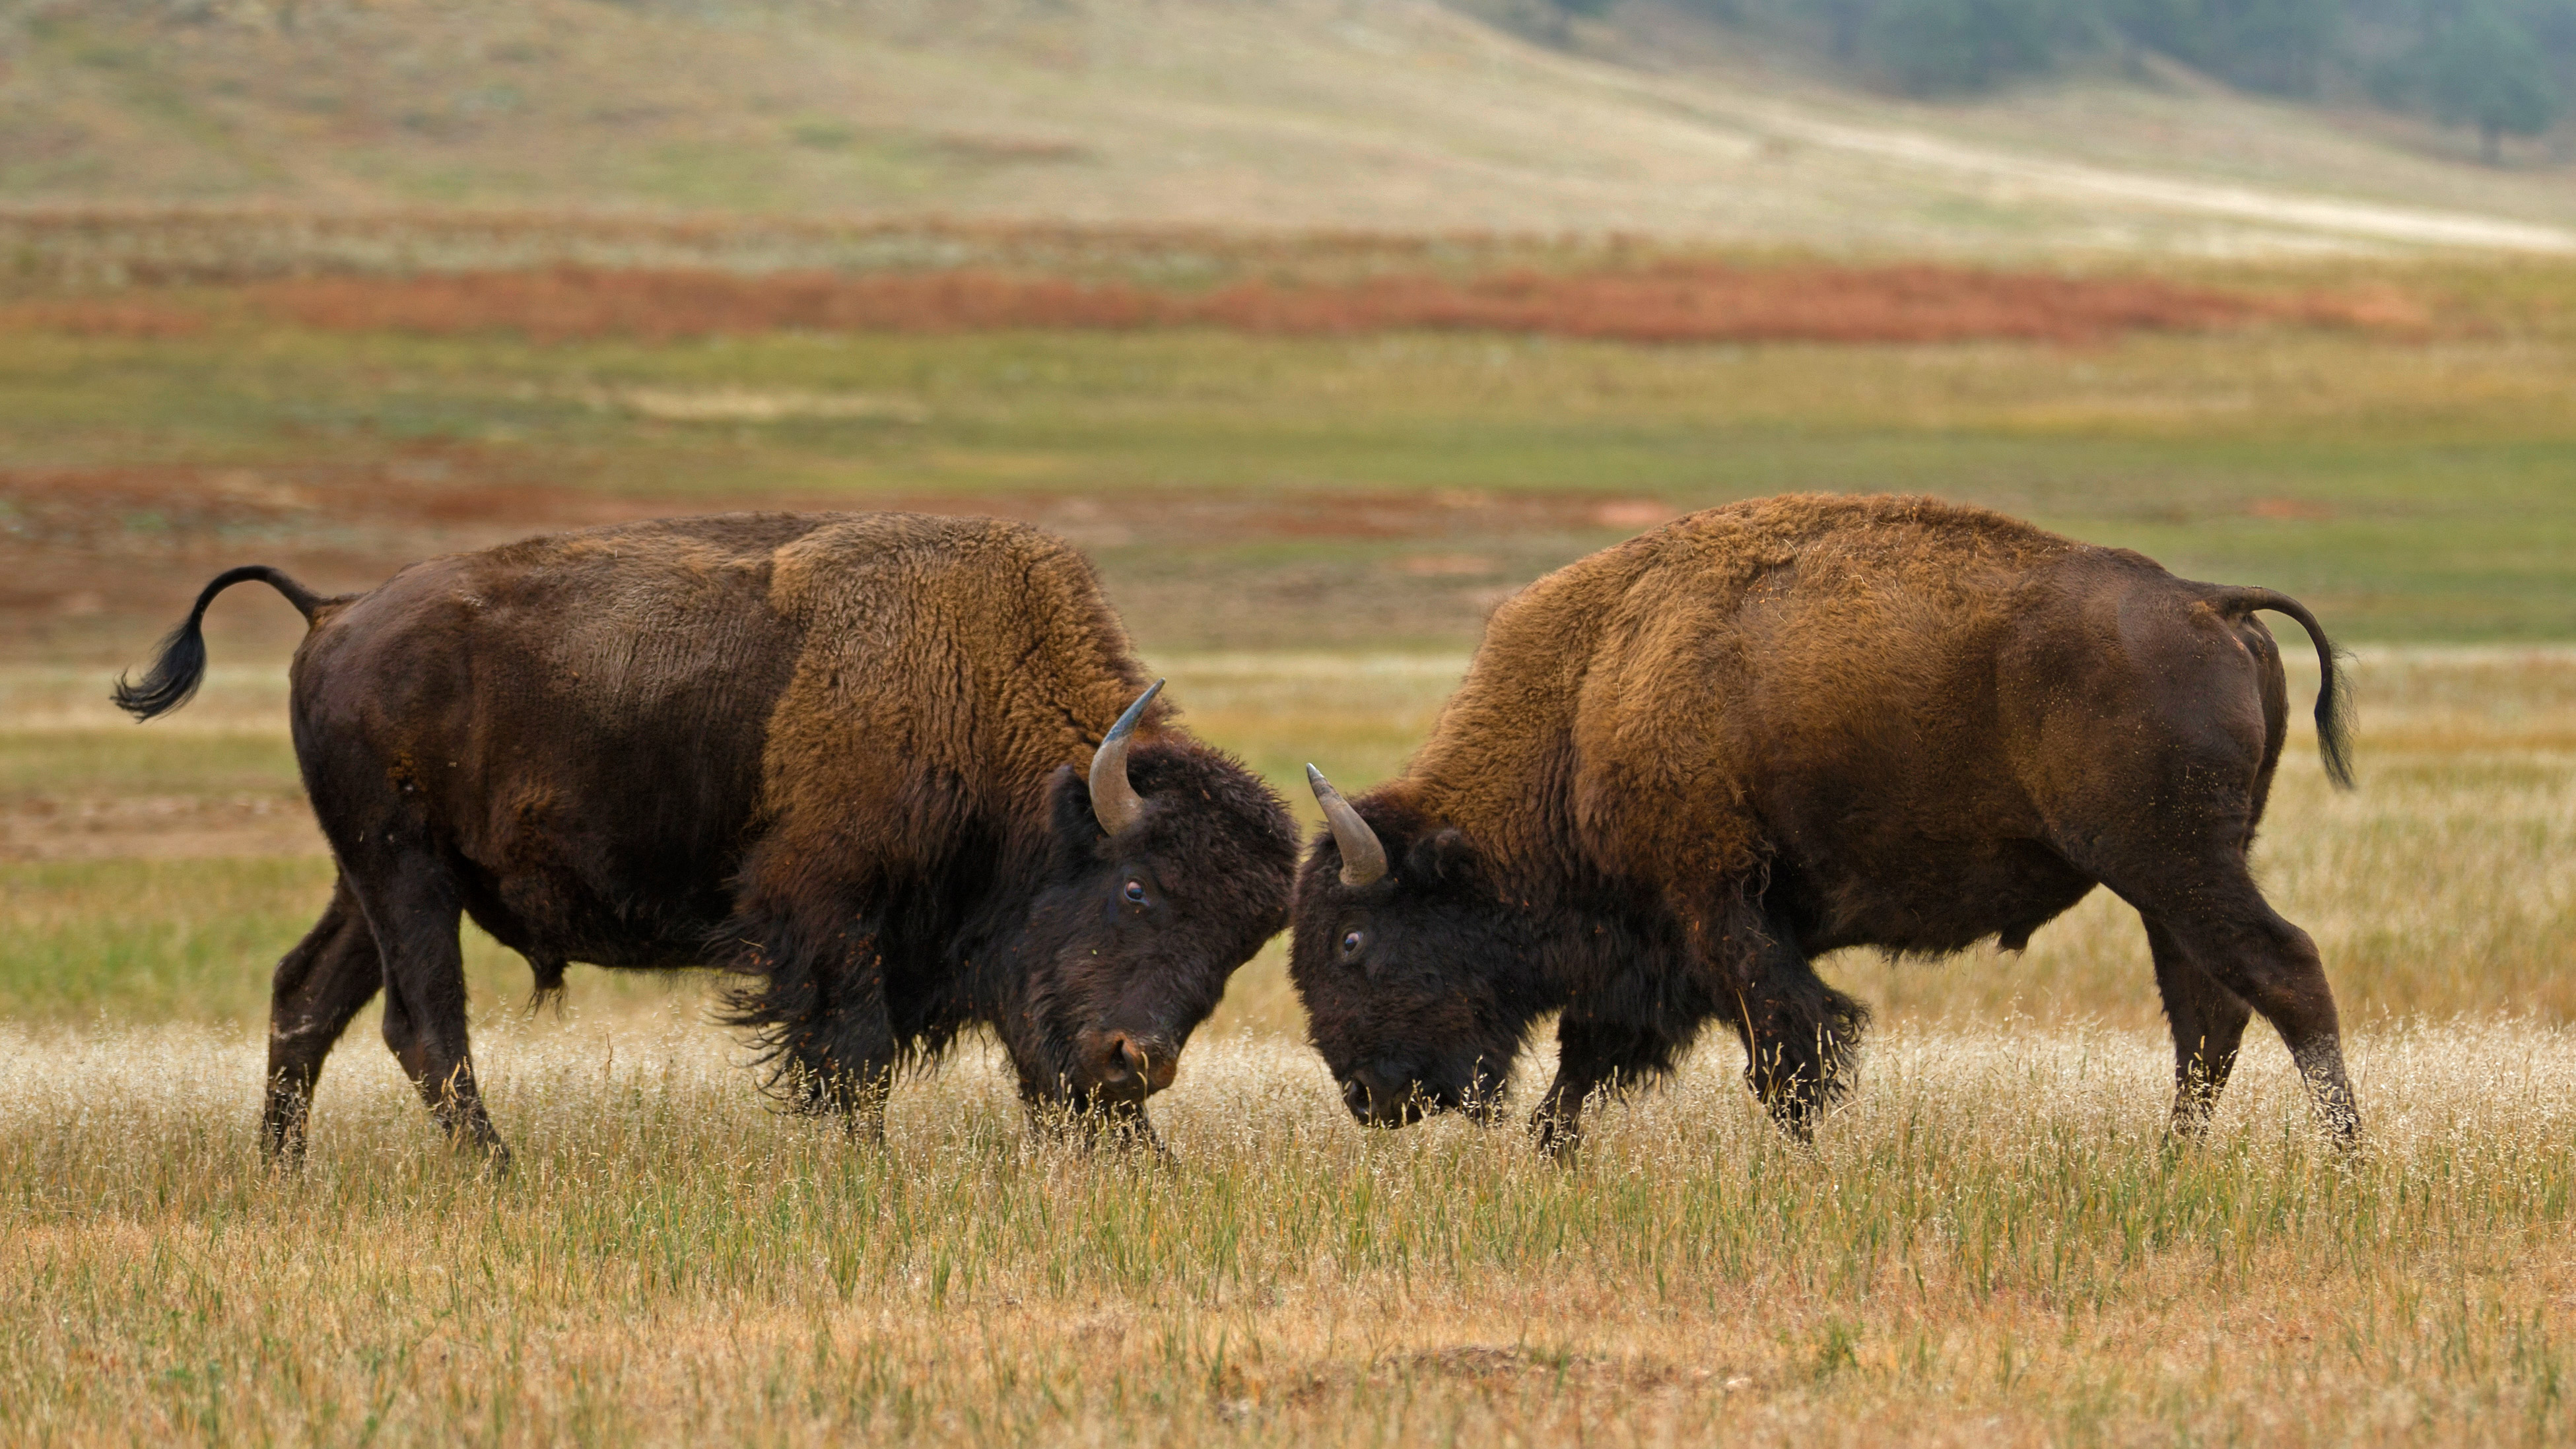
[[875, 762], [1679, 769]]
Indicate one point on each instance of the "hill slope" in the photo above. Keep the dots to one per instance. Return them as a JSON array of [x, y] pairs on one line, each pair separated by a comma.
[[1393, 115]]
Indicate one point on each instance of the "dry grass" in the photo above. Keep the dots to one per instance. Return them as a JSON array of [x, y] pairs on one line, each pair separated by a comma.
[[85, 249], [1297, 114], [1991, 1244]]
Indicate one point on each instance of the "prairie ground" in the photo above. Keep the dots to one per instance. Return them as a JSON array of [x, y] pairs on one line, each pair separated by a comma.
[[1992, 1243], [1366, 491]]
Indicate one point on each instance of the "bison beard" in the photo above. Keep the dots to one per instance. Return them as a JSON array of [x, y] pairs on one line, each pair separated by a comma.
[[1679, 769], [841, 754]]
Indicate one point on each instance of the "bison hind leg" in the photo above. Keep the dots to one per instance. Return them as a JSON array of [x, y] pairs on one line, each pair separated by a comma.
[[326, 980]]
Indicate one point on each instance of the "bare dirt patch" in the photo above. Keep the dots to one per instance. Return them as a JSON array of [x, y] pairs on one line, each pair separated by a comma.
[[156, 827], [96, 562], [89, 554]]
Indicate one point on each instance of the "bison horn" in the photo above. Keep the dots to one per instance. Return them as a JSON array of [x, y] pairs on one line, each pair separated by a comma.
[[1363, 857], [1114, 800]]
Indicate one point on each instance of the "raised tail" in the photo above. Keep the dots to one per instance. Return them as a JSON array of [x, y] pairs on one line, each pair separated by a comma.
[[2334, 695], [179, 665]]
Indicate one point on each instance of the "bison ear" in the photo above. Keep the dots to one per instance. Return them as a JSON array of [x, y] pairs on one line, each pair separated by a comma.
[[1069, 814], [1445, 856]]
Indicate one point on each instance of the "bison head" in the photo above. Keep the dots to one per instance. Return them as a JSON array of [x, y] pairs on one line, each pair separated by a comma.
[[1408, 965], [1168, 866]]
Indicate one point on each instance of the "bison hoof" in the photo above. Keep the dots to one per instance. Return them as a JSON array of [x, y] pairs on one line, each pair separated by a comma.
[[1559, 1137]]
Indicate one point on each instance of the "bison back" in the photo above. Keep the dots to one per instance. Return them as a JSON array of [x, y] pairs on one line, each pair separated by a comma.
[[1897, 713], [600, 726]]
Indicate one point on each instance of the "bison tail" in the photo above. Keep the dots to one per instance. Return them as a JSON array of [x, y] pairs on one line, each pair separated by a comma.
[[2334, 693], [179, 665]]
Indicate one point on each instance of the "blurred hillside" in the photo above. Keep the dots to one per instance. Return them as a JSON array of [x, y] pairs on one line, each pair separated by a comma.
[[1391, 115]]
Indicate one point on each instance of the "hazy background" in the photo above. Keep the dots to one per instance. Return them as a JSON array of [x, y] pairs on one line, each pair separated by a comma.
[[1321, 327]]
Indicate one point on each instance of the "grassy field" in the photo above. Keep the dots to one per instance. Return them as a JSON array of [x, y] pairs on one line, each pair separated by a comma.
[[1367, 491], [1991, 1244], [161, 868]]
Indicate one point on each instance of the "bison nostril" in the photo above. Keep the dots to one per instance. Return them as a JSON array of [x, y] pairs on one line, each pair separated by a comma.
[[1127, 1060], [1355, 1096]]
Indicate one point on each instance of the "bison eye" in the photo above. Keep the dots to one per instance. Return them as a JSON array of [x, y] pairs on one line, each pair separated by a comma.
[[1353, 943], [1135, 893]]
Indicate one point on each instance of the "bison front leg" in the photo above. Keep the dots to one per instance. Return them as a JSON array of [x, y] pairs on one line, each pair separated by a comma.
[[1595, 1055], [840, 1064], [1801, 1037], [1117, 1125], [823, 1015]]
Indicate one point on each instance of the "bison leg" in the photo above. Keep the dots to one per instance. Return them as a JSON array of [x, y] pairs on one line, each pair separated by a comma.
[[823, 1014], [415, 910], [2219, 919], [1594, 1055], [845, 1070], [319, 986], [819, 1007], [1800, 1035], [2208, 1024]]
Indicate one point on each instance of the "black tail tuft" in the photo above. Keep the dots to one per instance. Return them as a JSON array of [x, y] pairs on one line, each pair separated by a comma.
[[179, 665], [2334, 691], [177, 669], [2335, 714]]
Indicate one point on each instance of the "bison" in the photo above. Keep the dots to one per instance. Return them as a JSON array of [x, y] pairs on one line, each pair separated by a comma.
[[903, 773], [1680, 768]]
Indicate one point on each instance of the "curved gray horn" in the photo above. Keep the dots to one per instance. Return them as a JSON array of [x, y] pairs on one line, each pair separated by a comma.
[[1363, 858], [1113, 800]]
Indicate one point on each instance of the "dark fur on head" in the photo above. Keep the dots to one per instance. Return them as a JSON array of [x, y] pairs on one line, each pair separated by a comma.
[[1050, 946]]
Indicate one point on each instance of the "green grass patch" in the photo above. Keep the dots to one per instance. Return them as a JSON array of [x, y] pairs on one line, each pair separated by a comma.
[[2410, 490], [196, 940]]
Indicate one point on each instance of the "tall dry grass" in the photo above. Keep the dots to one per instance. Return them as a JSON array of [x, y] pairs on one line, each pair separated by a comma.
[[1992, 1244]]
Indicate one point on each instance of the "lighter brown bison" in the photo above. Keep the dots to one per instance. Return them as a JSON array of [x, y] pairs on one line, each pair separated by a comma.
[[1682, 767]]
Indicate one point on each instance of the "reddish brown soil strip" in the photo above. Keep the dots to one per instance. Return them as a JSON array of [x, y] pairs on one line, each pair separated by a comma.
[[1669, 303], [95, 552], [157, 827]]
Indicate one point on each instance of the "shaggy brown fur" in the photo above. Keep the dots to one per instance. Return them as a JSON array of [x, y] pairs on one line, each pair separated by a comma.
[[1681, 767], [842, 753]]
